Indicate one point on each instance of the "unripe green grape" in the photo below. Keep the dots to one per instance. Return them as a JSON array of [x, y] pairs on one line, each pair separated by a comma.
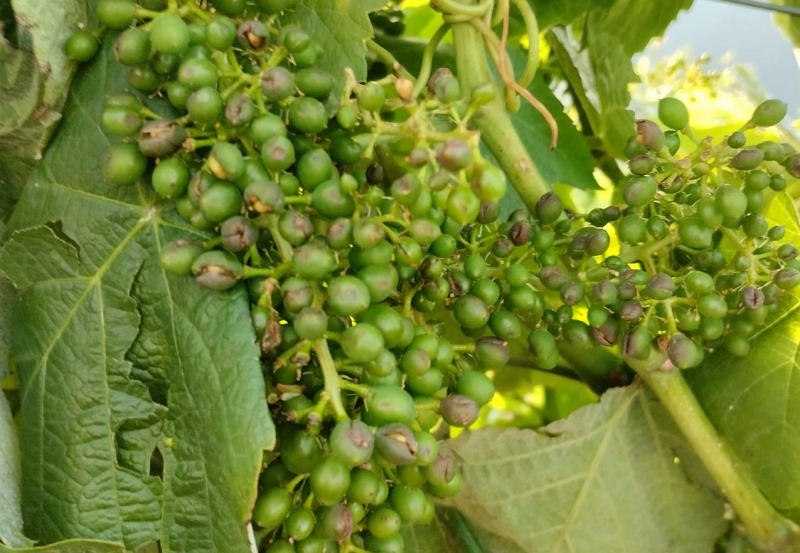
[[171, 178], [632, 229], [122, 121], [777, 183], [308, 115], [116, 14], [769, 113], [737, 140], [487, 290], [672, 142], [179, 256], [178, 94], [205, 105], [673, 113], [543, 347], [372, 97], [221, 33], [300, 523], [392, 544], [463, 205], [755, 200], [698, 283], [132, 47], [314, 168], [198, 73], [694, 234], [293, 39], [144, 79], [347, 117], [471, 312], [313, 261], [124, 164], [221, 201], [712, 305], [757, 180], [271, 508], [772, 150], [170, 34], [388, 404], [314, 82], [82, 46], [307, 56], [657, 228], [755, 225], [384, 523]]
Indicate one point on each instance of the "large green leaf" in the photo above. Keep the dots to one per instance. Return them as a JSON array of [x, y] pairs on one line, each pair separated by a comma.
[[43, 26], [70, 546], [100, 333], [10, 511], [614, 476], [633, 23], [342, 27], [599, 74], [789, 24], [549, 13], [755, 401]]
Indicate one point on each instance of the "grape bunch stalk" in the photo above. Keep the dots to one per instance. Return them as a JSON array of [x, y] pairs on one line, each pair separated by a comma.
[[365, 224]]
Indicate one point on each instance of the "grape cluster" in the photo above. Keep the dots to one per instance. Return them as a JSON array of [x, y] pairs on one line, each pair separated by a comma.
[[365, 224], [329, 202]]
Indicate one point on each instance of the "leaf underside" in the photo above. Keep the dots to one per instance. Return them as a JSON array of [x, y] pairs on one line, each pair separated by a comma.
[[116, 357], [614, 476]]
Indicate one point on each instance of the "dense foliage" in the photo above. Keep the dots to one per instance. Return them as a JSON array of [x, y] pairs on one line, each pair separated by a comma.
[[264, 275]]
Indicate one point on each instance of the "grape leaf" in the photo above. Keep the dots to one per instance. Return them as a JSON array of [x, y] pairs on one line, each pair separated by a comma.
[[633, 23], [599, 75], [787, 23], [755, 401], [70, 546], [549, 13], [605, 479], [10, 512], [341, 27], [43, 27], [98, 321]]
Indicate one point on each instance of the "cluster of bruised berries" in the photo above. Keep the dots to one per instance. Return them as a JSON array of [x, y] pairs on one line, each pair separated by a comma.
[[365, 225]]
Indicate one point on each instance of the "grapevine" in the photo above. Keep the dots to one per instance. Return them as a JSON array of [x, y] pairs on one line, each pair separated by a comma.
[[365, 223]]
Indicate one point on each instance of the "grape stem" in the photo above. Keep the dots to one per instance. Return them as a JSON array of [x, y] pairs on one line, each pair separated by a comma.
[[765, 527], [388, 59], [493, 121], [331, 378]]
